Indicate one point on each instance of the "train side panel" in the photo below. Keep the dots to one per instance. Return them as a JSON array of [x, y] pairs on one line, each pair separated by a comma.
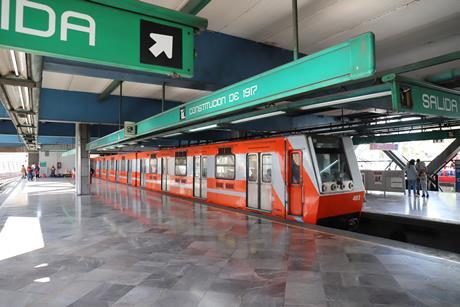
[[299, 178]]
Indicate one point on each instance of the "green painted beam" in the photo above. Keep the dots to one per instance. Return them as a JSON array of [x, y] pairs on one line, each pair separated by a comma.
[[445, 58], [421, 97], [408, 137], [194, 6], [348, 61], [445, 76]]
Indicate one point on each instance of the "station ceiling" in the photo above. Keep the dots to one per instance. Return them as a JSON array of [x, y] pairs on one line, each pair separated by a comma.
[[406, 31]]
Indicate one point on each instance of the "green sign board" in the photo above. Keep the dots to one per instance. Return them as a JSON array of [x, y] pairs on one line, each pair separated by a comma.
[[415, 96], [350, 60], [97, 32], [435, 102]]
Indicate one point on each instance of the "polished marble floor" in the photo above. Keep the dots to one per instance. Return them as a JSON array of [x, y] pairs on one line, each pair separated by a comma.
[[440, 206], [127, 247]]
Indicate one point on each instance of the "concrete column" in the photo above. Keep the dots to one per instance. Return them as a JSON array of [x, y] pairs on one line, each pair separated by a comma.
[[82, 138]]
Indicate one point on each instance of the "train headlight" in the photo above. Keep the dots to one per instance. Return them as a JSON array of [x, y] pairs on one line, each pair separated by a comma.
[[333, 187], [324, 187], [350, 185], [342, 186]]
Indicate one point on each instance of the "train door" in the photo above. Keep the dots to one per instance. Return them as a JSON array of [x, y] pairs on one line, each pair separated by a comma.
[[253, 181], [164, 174], [200, 174], [259, 181], [295, 183], [129, 170]]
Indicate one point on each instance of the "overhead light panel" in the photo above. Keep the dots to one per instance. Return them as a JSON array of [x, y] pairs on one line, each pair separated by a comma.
[[203, 128], [172, 134], [345, 100], [248, 119]]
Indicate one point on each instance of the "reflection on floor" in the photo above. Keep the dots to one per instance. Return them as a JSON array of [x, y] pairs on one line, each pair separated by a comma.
[[440, 206], [127, 247]]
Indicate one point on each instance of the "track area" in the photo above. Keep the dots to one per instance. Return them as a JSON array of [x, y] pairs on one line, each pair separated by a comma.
[[128, 247]]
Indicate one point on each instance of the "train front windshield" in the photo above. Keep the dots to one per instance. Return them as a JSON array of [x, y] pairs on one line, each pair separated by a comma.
[[332, 162]]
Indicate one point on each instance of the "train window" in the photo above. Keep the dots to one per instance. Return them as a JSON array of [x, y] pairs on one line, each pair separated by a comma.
[[204, 167], [181, 166], [153, 164], [123, 164], [252, 168], [295, 168], [267, 168], [332, 162], [225, 167]]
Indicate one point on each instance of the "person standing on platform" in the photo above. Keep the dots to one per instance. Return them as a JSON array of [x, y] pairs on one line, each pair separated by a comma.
[[411, 177], [37, 171], [30, 174], [23, 172], [419, 166], [423, 176], [53, 171], [91, 174]]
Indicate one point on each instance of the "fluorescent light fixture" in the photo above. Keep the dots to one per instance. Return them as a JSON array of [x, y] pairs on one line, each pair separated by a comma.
[[339, 132], [21, 97], [203, 128], [408, 119], [243, 120], [142, 146], [15, 63], [345, 100], [172, 134]]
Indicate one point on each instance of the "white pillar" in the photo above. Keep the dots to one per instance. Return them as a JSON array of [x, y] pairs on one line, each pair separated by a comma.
[[81, 159]]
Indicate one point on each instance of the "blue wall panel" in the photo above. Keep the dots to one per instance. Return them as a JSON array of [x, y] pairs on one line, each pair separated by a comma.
[[67, 106]]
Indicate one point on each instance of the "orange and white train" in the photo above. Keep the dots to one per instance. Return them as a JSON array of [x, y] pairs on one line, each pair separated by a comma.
[[308, 179]]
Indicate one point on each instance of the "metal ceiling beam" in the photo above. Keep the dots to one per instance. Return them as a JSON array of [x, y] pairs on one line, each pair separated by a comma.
[[397, 158], [295, 30], [17, 82], [194, 6], [109, 89], [444, 157]]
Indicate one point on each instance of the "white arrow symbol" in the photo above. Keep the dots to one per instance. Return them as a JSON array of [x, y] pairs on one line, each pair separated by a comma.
[[163, 43]]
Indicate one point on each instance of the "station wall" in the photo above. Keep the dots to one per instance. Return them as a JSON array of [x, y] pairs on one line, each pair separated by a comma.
[[51, 158]]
